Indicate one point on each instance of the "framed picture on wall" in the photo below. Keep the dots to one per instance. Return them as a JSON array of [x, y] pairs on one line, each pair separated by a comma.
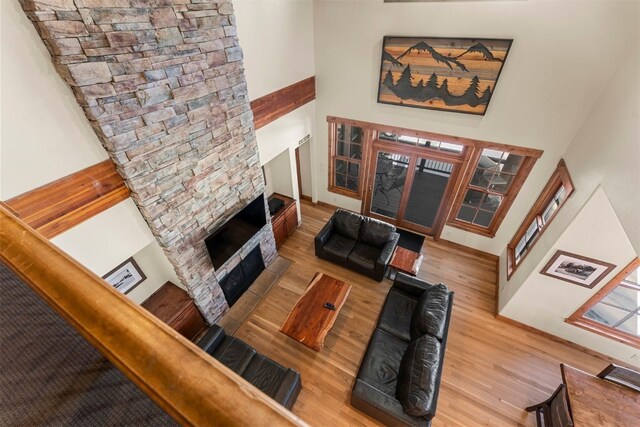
[[126, 276], [576, 269]]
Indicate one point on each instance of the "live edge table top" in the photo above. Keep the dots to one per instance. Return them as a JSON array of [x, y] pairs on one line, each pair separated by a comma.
[[309, 321]]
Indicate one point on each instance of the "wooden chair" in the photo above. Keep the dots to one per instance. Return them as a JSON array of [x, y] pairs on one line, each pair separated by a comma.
[[621, 376], [553, 412]]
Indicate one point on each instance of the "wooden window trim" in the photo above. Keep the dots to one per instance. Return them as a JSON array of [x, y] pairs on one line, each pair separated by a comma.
[[559, 178], [508, 197], [578, 319]]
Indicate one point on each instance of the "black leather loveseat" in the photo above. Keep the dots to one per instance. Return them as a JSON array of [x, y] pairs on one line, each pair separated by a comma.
[[399, 377], [357, 242], [281, 384]]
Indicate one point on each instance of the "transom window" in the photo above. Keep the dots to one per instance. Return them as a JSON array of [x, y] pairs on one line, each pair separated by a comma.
[[614, 311], [422, 142], [555, 193]]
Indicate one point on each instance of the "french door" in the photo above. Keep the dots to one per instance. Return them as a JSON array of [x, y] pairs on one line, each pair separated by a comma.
[[409, 187]]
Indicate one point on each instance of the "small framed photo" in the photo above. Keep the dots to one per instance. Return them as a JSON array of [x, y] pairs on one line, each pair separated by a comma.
[[576, 269], [126, 276]]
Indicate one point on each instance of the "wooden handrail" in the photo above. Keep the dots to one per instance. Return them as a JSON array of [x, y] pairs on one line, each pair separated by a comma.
[[192, 387]]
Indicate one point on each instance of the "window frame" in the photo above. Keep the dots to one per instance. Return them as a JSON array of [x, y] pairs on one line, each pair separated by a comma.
[[578, 319], [559, 178], [530, 157]]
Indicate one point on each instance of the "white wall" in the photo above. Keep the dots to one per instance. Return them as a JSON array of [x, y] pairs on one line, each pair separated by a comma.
[[563, 55], [544, 302], [280, 174], [605, 151], [45, 136], [276, 37], [158, 270]]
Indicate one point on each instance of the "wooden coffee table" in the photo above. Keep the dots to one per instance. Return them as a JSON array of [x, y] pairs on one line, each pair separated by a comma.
[[405, 260], [309, 321]]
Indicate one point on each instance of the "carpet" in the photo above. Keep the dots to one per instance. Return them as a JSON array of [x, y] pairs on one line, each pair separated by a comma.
[[411, 241], [51, 376]]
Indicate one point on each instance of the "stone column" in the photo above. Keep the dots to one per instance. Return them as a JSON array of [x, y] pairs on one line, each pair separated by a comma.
[[163, 85]]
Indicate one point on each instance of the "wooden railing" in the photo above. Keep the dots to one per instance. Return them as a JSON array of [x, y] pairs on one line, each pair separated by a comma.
[[188, 384]]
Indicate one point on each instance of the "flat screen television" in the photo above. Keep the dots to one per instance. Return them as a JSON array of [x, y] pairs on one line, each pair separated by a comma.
[[224, 242]]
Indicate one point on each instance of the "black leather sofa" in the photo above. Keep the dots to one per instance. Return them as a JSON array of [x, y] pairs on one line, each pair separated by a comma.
[[281, 384], [360, 243], [399, 376]]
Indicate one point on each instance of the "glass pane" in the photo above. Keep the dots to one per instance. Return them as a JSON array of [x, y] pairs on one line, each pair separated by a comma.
[[560, 195], [466, 213], [631, 325], [605, 314], [354, 169], [427, 191], [423, 142], [455, 148], [481, 177], [352, 183], [548, 211], [531, 231], [341, 166], [521, 249], [341, 180], [483, 218], [356, 134], [490, 158], [501, 182], [387, 136], [623, 297], [342, 149], [408, 139], [356, 151], [340, 134], [390, 176], [473, 198], [491, 202], [512, 163]]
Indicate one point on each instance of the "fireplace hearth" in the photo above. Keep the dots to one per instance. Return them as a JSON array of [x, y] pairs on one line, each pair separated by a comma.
[[242, 276]]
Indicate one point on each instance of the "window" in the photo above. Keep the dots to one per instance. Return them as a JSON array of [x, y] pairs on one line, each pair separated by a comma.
[[492, 184], [614, 311], [555, 193], [422, 142], [346, 159]]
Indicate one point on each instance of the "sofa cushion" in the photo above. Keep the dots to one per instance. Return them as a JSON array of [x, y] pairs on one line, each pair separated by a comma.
[[395, 316], [364, 255], [339, 246], [265, 374], [234, 354], [430, 314], [347, 223], [375, 232], [381, 362], [418, 376]]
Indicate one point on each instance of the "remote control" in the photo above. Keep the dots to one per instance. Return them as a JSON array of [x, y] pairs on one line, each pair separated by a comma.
[[329, 306]]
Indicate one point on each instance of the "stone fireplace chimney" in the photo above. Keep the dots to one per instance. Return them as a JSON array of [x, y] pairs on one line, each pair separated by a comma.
[[162, 83]]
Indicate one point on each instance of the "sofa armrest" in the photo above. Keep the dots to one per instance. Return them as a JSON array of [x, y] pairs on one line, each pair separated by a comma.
[[289, 389], [382, 407], [411, 285], [212, 339], [323, 235], [385, 257]]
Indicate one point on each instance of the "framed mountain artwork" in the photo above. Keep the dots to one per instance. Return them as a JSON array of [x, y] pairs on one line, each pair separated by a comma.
[[450, 74]]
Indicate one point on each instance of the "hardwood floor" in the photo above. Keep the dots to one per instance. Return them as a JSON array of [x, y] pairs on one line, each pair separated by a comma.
[[492, 370]]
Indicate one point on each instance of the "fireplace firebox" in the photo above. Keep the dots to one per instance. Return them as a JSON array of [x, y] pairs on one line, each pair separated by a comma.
[[242, 276]]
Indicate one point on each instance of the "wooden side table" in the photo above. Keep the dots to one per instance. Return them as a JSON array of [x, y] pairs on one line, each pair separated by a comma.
[[173, 306], [406, 261]]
